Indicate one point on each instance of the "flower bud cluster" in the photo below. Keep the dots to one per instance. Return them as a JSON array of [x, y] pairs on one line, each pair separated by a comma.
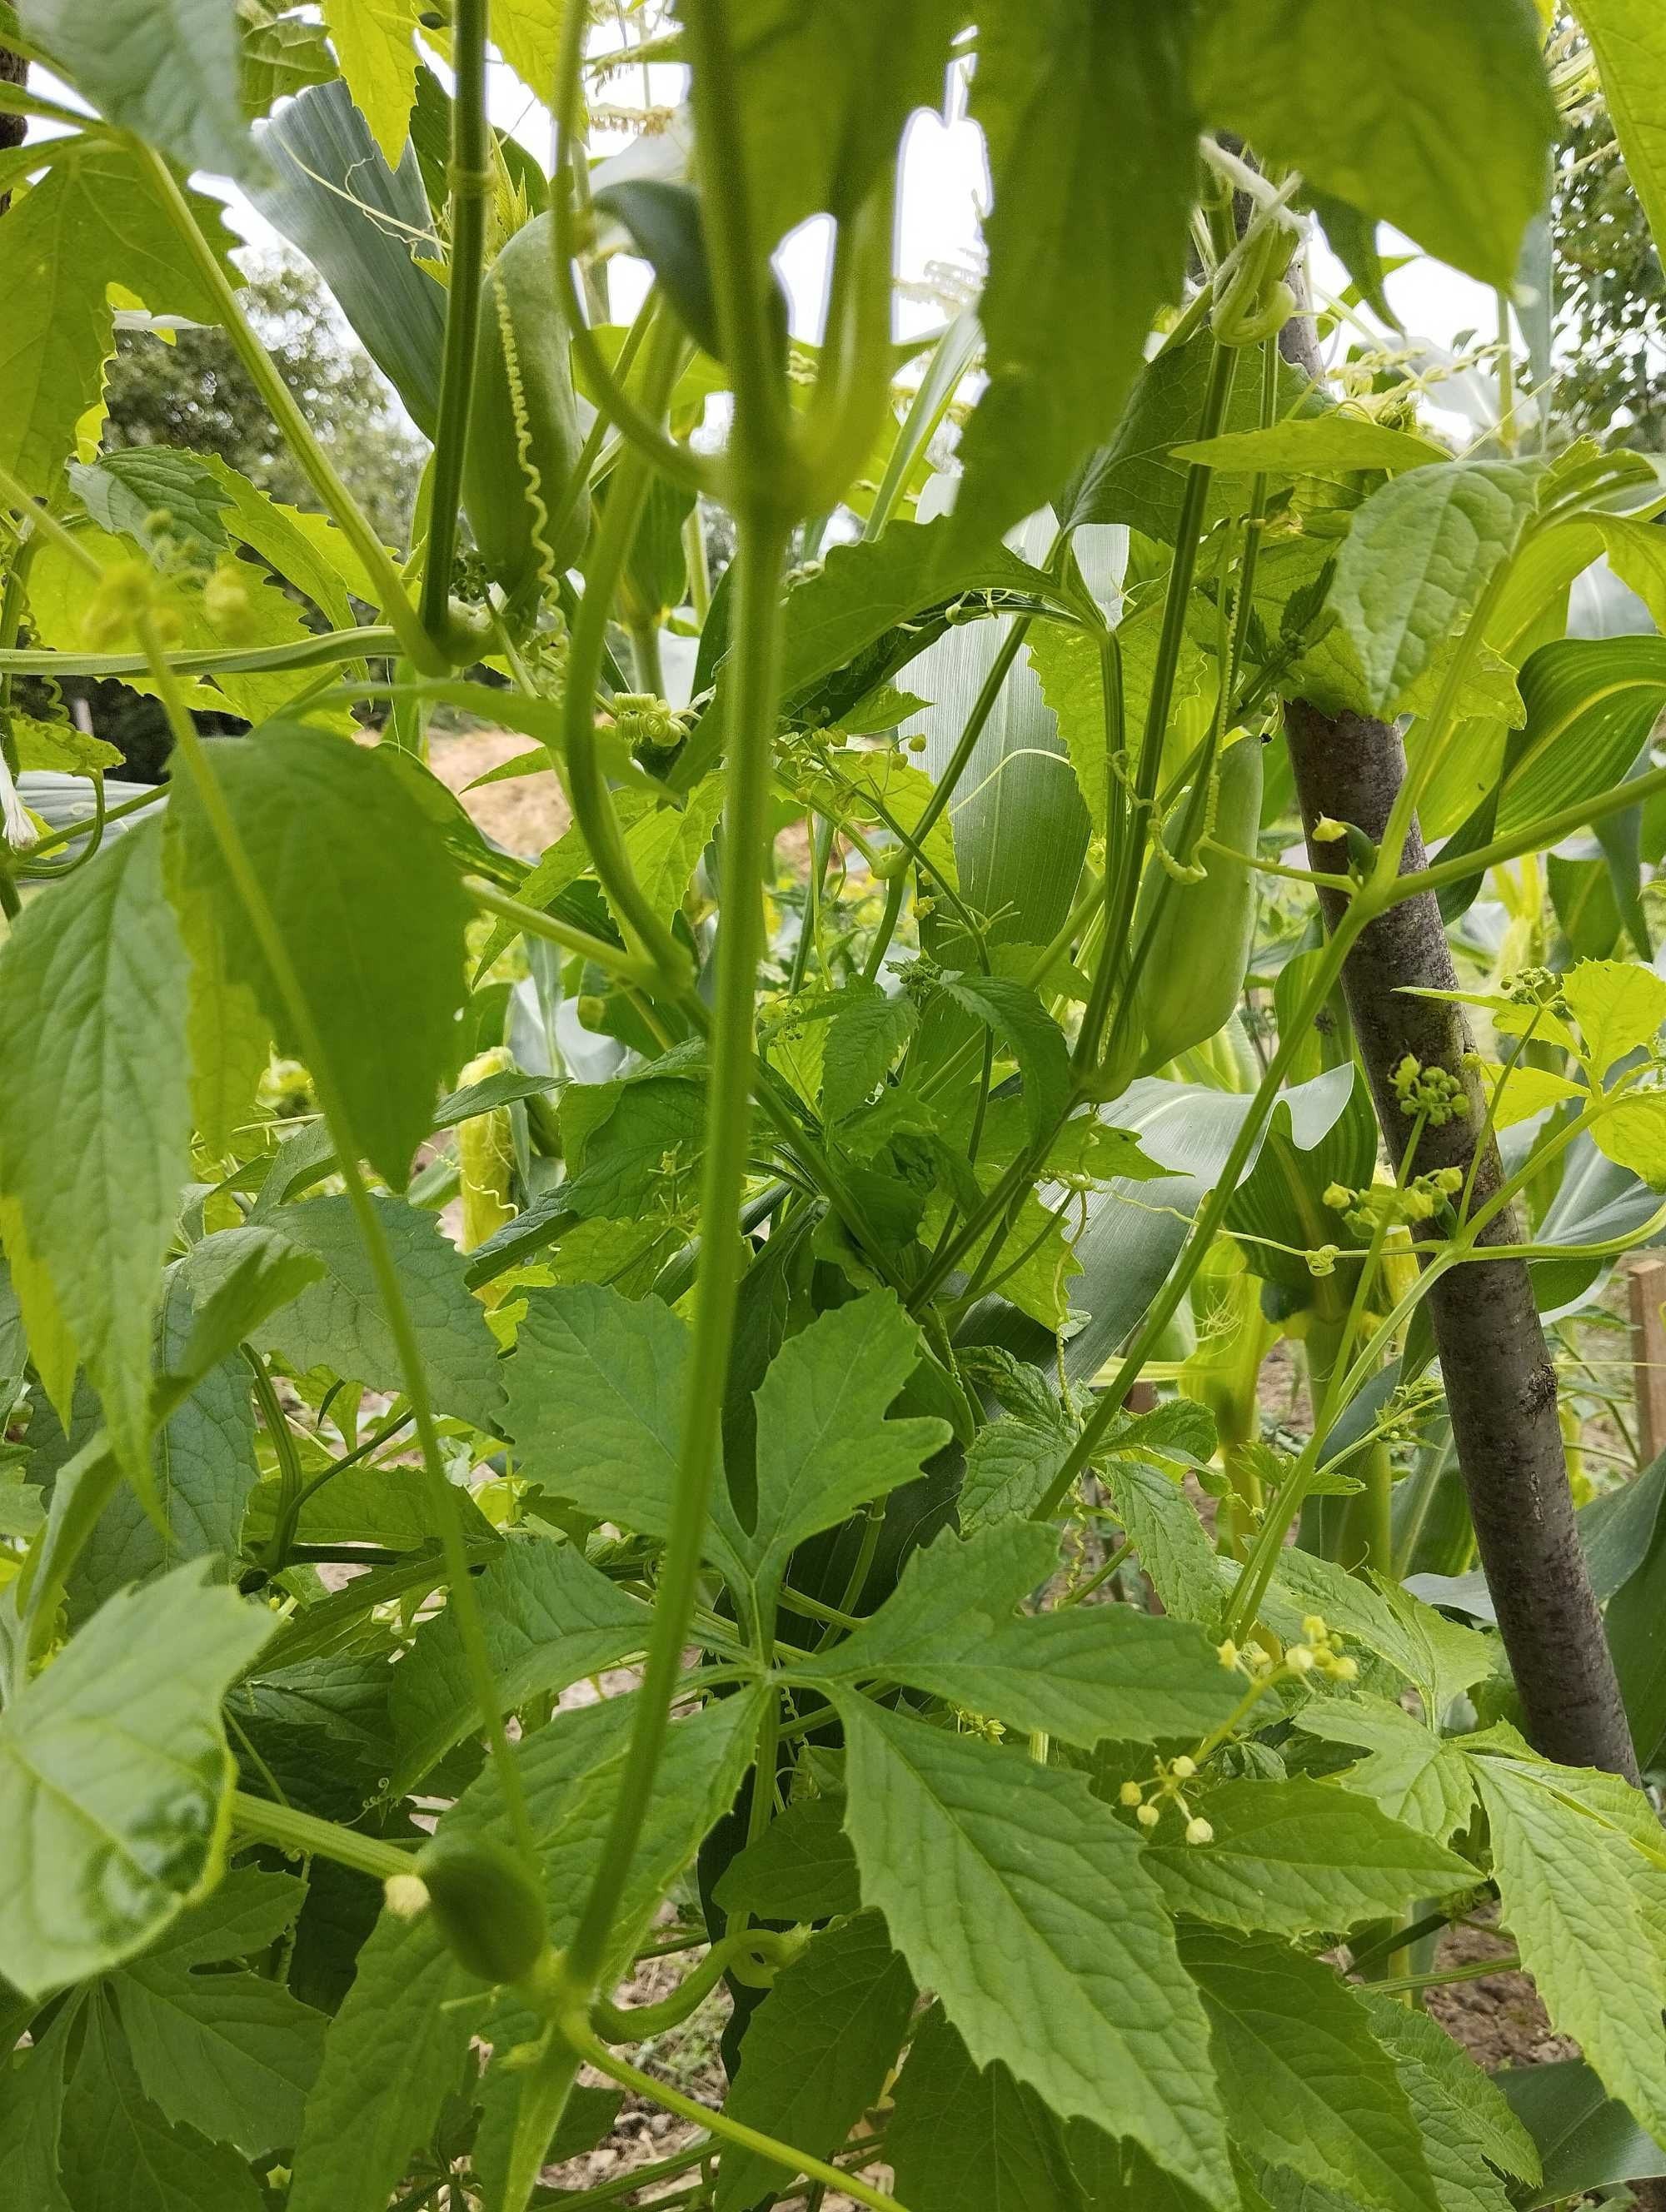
[[1166, 1787], [1384, 1206], [1319, 1651], [1433, 1092]]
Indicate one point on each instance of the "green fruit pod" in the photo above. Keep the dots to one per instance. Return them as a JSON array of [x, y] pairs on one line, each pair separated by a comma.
[[1193, 977], [485, 1907], [524, 438]]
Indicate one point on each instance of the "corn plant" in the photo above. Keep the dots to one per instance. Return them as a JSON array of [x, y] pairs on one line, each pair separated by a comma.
[[698, 1396]]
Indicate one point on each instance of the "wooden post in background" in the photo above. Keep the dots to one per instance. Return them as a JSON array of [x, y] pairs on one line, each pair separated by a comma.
[[1648, 1306]]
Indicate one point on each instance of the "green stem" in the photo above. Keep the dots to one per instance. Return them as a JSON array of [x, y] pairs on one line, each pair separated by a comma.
[[763, 539], [471, 178], [811, 1608], [1549, 829], [762, 462], [1475, 1970], [821, 846], [645, 657], [288, 1516], [1212, 1215], [315, 463], [1102, 1575], [291, 1482], [958, 761], [193, 758], [12, 601], [850, 402], [637, 2023], [1122, 878], [699, 568], [896, 888], [982, 707], [1484, 1139], [1115, 734], [1255, 525], [259, 1822], [593, 803], [844, 1614], [589, 2047], [1007, 1194], [1443, 727], [531, 921], [1402, 1939], [568, 189], [17, 100], [544, 2094], [320, 650], [636, 2178]]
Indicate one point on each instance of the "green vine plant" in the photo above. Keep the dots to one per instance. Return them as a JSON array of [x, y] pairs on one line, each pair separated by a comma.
[[677, 1428]]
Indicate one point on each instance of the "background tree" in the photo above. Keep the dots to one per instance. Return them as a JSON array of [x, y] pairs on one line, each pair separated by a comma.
[[1610, 289], [196, 393]]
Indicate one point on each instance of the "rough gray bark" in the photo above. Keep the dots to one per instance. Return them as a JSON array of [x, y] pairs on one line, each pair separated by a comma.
[[1500, 1387]]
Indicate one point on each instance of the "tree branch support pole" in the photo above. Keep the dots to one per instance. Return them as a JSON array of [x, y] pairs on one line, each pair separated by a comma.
[[1500, 1386]]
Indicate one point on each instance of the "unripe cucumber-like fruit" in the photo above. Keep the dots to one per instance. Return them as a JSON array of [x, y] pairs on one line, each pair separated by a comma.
[[524, 436], [485, 1907], [1194, 972]]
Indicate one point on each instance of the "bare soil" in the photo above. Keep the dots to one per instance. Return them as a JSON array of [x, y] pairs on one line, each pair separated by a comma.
[[1498, 2018], [523, 814]]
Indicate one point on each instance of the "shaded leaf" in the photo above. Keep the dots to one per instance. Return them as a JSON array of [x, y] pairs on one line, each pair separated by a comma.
[[94, 220], [800, 1869], [167, 70], [595, 1401], [1409, 1770], [31, 2118], [1586, 2139], [365, 2116], [121, 2153], [1468, 2128], [1567, 1887], [338, 1321], [122, 491], [1317, 445], [551, 1620], [841, 619], [1028, 1033], [1137, 477], [824, 1446], [868, 1028], [1305, 2083], [962, 2141], [231, 2055], [817, 2052]]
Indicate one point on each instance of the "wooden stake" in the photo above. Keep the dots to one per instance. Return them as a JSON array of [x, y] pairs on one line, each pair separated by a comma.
[[1648, 1297]]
